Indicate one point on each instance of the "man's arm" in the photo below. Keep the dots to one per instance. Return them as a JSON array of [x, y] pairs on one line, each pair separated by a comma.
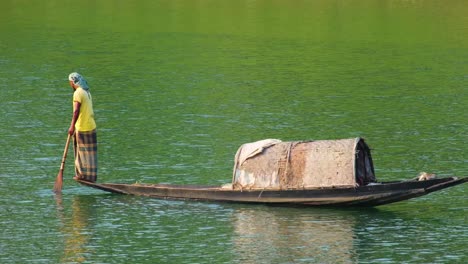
[[76, 113]]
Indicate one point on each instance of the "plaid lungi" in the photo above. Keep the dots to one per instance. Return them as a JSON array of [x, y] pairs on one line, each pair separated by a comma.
[[85, 148]]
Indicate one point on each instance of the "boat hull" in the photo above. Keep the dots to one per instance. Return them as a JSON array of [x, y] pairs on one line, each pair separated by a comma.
[[370, 195]]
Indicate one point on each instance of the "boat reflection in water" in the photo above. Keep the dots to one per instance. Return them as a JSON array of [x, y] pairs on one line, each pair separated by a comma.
[[290, 235]]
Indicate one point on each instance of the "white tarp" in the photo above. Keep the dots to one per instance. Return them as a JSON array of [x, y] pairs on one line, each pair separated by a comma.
[[272, 164]]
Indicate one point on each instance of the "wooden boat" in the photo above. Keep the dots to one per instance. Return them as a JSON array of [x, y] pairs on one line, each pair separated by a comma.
[[305, 173], [369, 195]]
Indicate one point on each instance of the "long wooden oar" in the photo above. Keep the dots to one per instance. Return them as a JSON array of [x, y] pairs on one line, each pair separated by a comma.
[[59, 180]]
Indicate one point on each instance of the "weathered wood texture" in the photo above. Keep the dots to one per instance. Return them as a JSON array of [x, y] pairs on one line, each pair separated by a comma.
[[370, 195]]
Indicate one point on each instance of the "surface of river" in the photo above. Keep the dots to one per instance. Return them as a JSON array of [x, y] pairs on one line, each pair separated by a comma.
[[178, 86]]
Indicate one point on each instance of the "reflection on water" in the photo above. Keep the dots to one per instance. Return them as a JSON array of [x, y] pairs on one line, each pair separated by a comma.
[[179, 85], [170, 231], [75, 228], [95, 227], [279, 235]]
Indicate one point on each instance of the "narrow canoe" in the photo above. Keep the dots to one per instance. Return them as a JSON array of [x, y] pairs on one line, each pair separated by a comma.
[[370, 195]]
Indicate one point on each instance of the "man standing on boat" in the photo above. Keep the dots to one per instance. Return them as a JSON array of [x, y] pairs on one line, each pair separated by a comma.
[[83, 128]]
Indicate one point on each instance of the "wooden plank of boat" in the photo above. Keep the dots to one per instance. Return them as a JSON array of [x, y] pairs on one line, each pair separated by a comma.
[[369, 195]]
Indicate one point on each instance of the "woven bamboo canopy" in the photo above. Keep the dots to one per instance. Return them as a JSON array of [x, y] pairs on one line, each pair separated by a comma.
[[273, 164]]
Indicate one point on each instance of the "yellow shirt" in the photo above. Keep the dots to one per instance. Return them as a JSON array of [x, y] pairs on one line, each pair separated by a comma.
[[85, 120]]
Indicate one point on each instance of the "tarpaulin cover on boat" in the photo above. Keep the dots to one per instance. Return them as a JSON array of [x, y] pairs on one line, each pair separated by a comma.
[[273, 164]]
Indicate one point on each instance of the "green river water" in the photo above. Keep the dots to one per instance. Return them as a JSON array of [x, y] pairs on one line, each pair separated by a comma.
[[178, 86]]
